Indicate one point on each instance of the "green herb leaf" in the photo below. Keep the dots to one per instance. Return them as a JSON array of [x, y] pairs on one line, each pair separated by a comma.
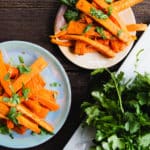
[[119, 111], [71, 15], [7, 76], [23, 69], [108, 1], [87, 28], [119, 33], [25, 92], [21, 60], [55, 84], [110, 10], [13, 114], [70, 3], [98, 13], [4, 130], [100, 30]]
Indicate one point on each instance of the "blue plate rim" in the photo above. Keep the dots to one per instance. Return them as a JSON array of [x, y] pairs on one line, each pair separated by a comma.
[[68, 85]]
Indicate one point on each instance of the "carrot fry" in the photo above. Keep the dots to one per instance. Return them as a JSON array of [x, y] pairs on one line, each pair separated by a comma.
[[36, 67], [79, 47], [117, 45], [4, 109], [136, 27], [4, 76], [3, 117], [28, 123], [43, 113], [123, 4], [86, 7], [34, 117], [100, 47], [20, 129], [10, 124], [13, 71], [34, 106], [61, 43], [113, 15]]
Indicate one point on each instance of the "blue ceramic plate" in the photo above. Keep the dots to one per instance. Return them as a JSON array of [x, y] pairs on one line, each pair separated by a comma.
[[51, 74]]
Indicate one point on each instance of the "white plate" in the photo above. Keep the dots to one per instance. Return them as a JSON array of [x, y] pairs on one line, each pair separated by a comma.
[[93, 60], [82, 138], [54, 72]]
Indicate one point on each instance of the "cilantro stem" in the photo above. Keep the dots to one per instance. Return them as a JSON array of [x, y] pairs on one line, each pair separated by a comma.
[[117, 89]]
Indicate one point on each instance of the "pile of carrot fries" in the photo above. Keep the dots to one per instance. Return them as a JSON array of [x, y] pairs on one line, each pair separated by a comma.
[[99, 28], [24, 100]]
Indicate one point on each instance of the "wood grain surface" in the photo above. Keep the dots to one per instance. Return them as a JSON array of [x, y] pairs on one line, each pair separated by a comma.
[[33, 21]]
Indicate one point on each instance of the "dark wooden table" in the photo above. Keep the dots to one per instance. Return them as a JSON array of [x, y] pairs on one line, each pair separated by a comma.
[[33, 21]]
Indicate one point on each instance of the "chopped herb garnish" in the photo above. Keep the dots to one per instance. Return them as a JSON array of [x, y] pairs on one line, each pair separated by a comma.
[[98, 13], [119, 33], [4, 130], [22, 67], [100, 30], [110, 10], [71, 15], [25, 92], [45, 132], [13, 114], [64, 27], [21, 60], [87, 28], [7, 76], [15, 99], [55, 84], [108, 1]]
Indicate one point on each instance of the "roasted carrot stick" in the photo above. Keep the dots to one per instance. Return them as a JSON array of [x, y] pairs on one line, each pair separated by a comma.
[[99, 47], [36, 67], [86, 7], [4, 76], [34, 117], [22, 120], [123, 4]]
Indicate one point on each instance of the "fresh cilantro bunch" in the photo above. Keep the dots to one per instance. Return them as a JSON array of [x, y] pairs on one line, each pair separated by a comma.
[[71, 13], [119, 111]]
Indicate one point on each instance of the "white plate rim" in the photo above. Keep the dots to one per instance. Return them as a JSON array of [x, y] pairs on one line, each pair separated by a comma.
[[75, 58]]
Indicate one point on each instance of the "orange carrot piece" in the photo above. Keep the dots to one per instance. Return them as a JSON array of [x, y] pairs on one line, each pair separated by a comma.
[[3, 117], [105, 50], [34, 117], [1, 90], [88, 19], [76, 27], [34, 106], [20, 129], [22, 120], [3, 73], [10, 124], [61, 43], [45, 94], [79, 47], [13, 71], [36, 67], [123, 4], [43, 113], [113, 16], [35, 84], [86, 7], [4, 109], [117, 45], [136, 27]]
